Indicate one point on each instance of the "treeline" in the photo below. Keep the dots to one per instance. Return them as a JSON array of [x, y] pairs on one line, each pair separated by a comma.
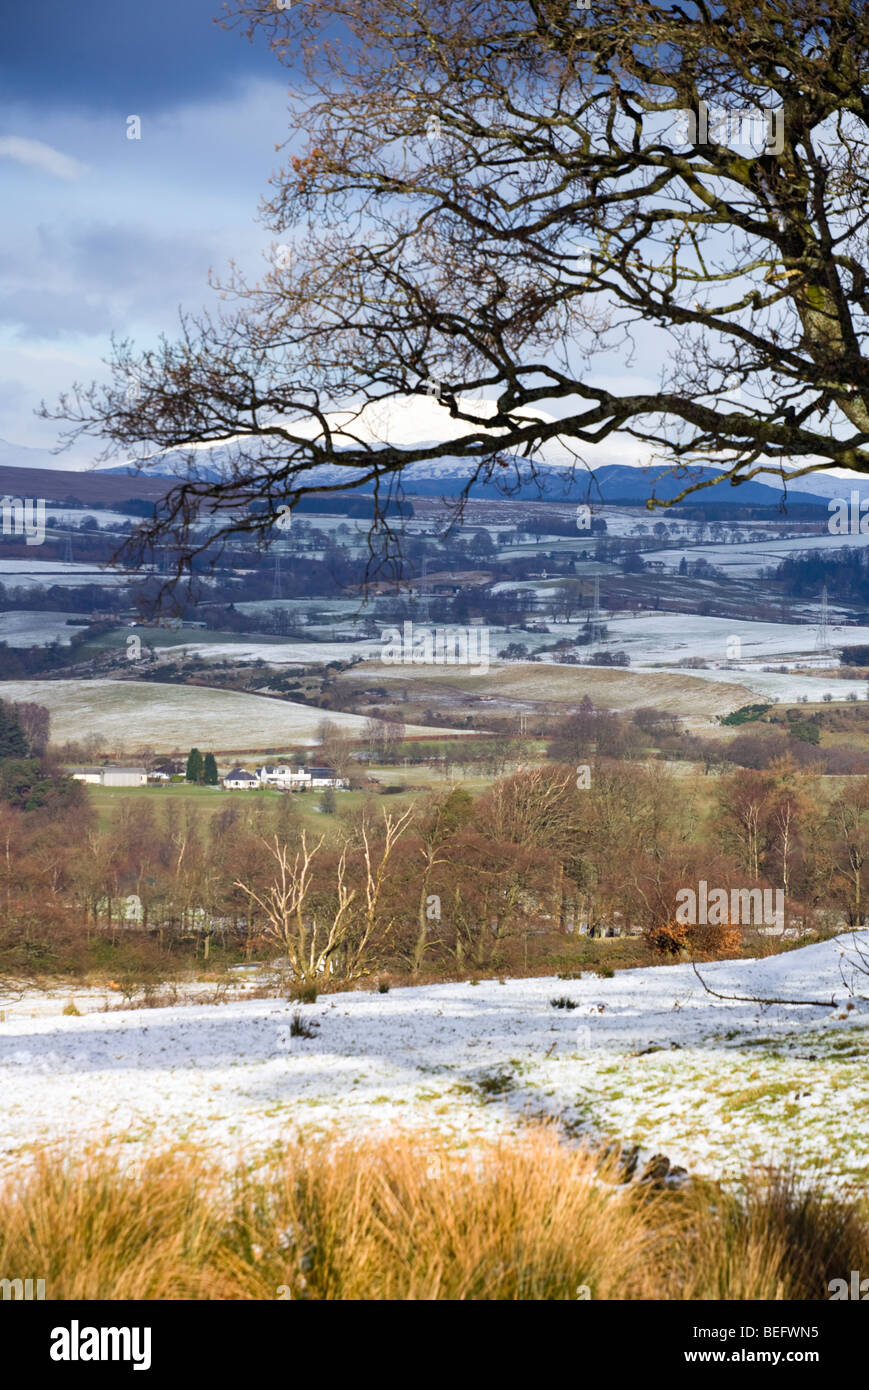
[[845, 573], [29, 780], [509, 880], [18, 662], [595, 732]]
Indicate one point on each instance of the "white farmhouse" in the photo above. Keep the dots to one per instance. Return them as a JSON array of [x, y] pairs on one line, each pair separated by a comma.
[[326, 777], [284, 776], [239, 780], [298, 779]]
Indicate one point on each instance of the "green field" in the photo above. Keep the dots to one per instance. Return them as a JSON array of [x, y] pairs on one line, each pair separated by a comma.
[[205, 802]]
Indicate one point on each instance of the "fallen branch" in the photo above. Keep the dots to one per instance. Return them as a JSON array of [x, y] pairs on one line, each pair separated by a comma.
[[756, 999]]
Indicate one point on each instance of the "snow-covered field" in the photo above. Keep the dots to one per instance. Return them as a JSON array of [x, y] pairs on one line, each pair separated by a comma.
[[746, 561], [24, 574], [279, 653], [736, 651], [21, 629], [131, 714], [645, 1057], [785, 686], [668, 637]]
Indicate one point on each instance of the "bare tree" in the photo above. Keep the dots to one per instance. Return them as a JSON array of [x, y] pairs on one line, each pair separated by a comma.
[[310, 943], [35, 721], [487, 200], [336, 746], [332, 933]]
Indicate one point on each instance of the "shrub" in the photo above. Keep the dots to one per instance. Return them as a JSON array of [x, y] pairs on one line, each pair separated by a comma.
[[496, 1082], [301, 1028], [745, 714], [806, 731], [562, 1002], [304, 994]]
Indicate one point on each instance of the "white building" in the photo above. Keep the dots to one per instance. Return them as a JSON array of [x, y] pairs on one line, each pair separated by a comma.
[[239, 780], [325, 777], [284, 776], [298, 779], [124, 777], [112, 776]]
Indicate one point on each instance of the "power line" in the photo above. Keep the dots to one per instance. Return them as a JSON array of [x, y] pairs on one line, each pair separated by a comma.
[[822, 631]]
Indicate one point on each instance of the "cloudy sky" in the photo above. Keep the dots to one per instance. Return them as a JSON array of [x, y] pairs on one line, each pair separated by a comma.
[[102, 233]]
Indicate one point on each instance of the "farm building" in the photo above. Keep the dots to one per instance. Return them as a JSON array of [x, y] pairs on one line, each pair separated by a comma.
[[112, 776], [124, 777]]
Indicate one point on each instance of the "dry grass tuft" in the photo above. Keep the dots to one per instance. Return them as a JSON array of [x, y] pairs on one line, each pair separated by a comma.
[[406, 1218]]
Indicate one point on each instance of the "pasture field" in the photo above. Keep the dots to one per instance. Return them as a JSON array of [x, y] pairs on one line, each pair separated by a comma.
[[205, 802], [511, 685]]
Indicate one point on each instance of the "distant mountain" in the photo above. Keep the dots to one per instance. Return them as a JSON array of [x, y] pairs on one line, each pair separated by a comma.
[[417, 421], [612, 484]]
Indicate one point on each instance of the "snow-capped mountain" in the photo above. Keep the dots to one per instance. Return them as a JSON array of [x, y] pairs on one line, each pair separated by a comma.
[[601, 473]]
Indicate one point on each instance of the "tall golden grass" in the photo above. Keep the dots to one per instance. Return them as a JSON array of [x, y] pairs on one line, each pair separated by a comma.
[[404, 1218]]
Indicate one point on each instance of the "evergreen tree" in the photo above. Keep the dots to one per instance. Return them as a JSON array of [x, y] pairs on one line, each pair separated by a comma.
[[195, 766], [13, 743], [209, 771]]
